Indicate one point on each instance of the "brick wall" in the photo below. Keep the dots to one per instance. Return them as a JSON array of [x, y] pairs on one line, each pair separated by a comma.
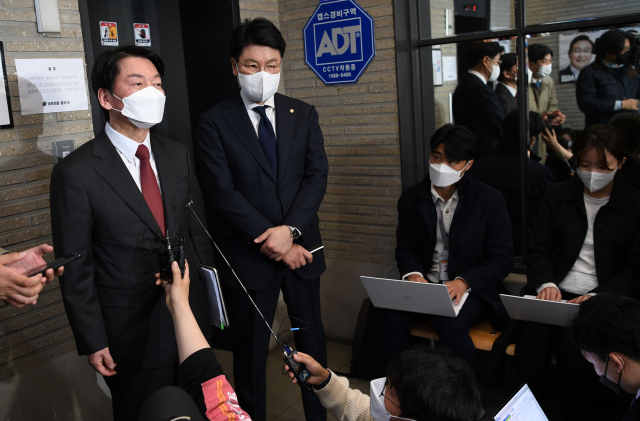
[[34, 333]]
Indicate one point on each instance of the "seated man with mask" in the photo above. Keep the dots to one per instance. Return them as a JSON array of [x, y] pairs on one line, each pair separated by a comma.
[[422, 384], [455, 230], [607, 332]]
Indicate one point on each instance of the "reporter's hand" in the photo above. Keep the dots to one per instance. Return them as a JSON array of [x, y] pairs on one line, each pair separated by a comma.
[[456, 289], [177, 290], [556, 117], [580, 299], [297, 256], [33, 259], [549, 137], [630, 104], [277, 242], [550, 294], [417, 278], [318, 374], [102, 362], [15, 288]]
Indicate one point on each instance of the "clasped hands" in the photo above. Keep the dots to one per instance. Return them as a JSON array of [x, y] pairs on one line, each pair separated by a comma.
[[278, 245]]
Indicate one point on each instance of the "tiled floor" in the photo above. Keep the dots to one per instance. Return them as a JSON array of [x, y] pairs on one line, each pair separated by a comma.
[[283, 398]]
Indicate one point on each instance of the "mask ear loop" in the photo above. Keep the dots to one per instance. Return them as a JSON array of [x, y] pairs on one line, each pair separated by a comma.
[[115, 109]]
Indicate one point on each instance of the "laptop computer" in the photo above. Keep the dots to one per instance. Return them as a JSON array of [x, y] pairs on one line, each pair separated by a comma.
[[411, 296], [521, 406], [528, 308]]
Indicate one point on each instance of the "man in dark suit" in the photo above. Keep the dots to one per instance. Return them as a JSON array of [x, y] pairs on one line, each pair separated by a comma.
[[475, 104], [262, 156], [501, 170], [607, 332], [114, 200], [507, 87], [455, 220]]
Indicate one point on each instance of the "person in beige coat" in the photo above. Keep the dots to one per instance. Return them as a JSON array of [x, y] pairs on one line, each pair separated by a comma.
[[414, 379]]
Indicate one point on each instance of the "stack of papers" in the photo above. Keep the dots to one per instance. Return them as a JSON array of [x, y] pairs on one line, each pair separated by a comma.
[[217, 307]]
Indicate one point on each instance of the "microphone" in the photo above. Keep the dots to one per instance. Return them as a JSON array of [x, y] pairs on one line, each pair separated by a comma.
[[298, 369]]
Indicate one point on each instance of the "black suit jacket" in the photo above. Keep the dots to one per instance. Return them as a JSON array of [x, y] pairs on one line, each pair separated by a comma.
[[507, 100], [110, 294], [561, 228], [476, 106], [247, 198], [501, 170], [480, 244]]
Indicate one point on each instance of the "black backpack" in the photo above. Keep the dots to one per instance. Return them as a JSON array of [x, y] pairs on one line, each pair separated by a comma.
[[368, 359]]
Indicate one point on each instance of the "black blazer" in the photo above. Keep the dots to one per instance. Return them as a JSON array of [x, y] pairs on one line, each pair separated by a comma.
[[476, 106], [507, 100], [480, 244], [247, 198], [566, 75], [633, 414], [561, 228], [110, 294]]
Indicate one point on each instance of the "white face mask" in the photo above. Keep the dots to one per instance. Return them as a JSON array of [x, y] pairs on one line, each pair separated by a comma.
[[545, 70], [495, 73], [596, 181], [376, 402], [260, 86], [442, 175], [144, 108]]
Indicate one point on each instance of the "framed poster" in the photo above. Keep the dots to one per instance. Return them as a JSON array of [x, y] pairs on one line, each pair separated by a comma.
[[6, 117]]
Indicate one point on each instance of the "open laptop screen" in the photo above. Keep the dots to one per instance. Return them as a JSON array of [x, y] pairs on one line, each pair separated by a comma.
[[523, 406]]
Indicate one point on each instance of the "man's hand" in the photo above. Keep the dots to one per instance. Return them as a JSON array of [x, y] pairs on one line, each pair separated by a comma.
[[555, 117], [296, 257], [417, 278], [318, 374], [33, 259], [15, 288], [102, 362], [630, 104], [456, 289], [550, 294], [277, 242], [177, 290], [580, 299]]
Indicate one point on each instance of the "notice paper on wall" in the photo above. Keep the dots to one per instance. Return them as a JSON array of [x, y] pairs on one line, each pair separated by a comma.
[[6, 120], [449, 68], [51, 85]]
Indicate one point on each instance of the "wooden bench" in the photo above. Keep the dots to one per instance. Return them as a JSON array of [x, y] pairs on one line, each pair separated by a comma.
[[482, 334]]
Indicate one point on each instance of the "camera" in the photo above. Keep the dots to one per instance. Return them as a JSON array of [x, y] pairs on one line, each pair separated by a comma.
[[173, 249]]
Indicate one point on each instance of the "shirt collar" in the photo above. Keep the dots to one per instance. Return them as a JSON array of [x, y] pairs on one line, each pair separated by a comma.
[[574, 70], [478, 74], [127, 147], [435, 196], [511, 89], [250, 105]]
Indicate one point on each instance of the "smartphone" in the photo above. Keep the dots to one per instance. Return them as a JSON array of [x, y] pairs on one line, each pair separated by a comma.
[[55, 264], [313, 249]]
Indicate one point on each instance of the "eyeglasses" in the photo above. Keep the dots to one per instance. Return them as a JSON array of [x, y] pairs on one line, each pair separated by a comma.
[[386, 383], [254, 68]]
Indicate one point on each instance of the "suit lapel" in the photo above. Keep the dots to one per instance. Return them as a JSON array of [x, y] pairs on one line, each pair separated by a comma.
[[285, 122], [238, 119], [427, 210], [115, 173], [166, 167]]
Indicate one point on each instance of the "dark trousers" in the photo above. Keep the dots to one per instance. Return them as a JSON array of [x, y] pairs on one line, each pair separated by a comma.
[[251, 338], [130, 388], [452, 331], [582, 396]]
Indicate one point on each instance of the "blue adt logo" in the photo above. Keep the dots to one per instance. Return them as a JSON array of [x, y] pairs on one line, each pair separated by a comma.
[[339, 42]]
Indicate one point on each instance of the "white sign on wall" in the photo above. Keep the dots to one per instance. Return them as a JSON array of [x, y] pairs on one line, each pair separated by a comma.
[[51, 85]]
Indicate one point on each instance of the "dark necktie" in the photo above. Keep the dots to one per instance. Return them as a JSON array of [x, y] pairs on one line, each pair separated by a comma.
[[150, 189], [267, 138]]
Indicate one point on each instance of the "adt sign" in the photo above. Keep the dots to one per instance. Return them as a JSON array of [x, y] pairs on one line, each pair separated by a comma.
[[339, 42]]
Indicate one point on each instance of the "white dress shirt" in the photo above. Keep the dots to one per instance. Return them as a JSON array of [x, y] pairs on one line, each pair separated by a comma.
[[479, 75], [127, 149], [270, 111], [448, 209], [582, 277]]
